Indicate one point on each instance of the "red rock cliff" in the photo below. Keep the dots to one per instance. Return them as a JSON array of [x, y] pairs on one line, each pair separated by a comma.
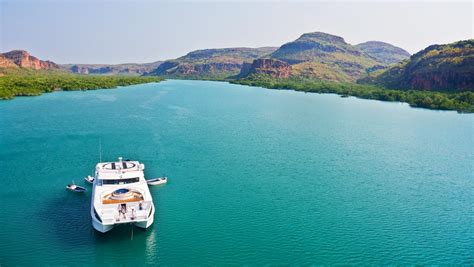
[[6, 63], [23, 59], [273, 67]]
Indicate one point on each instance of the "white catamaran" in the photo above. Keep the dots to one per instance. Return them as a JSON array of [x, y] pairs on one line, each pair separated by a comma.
[[120, 195]]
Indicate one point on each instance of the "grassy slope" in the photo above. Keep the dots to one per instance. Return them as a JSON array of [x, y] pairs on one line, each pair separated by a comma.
[[22, 82], [461, 102], [324, 56]]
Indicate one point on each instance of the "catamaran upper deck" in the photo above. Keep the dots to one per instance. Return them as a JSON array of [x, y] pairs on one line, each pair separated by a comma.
[[119, 170]]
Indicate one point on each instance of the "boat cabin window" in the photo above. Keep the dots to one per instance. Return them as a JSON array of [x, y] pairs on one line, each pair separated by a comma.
[[120, 181]]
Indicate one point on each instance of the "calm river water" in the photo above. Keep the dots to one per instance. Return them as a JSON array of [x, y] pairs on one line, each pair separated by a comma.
[[256, 176]]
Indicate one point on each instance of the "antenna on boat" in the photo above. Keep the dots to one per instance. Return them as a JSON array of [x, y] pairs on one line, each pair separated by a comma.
[[100, 149]]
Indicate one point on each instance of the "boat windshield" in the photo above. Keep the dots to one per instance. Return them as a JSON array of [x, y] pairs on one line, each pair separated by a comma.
[[120, 181]]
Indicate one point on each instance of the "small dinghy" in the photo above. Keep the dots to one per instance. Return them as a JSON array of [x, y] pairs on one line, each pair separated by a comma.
[[157, 181], [75, 188], [89, 179]]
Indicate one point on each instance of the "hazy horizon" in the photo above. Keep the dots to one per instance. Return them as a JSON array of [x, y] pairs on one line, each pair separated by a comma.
[[114, 32]]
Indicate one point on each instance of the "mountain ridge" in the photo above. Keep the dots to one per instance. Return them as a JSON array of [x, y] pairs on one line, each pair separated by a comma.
[[22, 59], [447, 67], [323, 56], [111, 69], [383, 52], [215, 63]]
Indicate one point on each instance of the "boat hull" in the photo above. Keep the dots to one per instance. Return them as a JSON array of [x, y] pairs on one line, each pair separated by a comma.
[[77, 189], [149, 222], [104, 228], [157, 181], [101, 227]]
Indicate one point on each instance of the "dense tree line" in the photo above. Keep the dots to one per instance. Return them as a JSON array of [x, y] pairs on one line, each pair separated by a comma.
[[36, 83], [461, 101]]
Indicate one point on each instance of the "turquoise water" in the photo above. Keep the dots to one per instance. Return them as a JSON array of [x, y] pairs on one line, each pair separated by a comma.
[[256, 176]]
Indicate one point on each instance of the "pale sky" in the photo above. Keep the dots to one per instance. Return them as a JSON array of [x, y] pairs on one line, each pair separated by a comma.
[[73, 31]]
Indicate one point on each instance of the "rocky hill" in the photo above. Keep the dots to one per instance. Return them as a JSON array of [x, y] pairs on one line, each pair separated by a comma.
[[6, 63], [383, 53], [323, 56], [117, 69], [22, 59], [448, 67], [210, 63]]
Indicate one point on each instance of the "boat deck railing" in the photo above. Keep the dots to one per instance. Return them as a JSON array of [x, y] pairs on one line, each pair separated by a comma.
[[113, 213]]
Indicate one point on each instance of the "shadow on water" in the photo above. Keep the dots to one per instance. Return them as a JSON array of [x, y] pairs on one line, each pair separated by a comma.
[[67, 219]]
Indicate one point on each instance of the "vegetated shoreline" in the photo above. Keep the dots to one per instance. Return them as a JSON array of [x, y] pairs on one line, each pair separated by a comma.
[[34, 84], [462, 102]]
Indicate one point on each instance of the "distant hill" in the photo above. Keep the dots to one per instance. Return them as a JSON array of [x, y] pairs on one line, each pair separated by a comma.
[[448, 67], [384, 53], [22, 59], [322, 56], [210, 63], [24, 75], [112, 69]]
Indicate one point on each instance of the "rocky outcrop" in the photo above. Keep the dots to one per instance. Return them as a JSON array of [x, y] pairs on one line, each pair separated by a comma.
[[6, 63], [447, 67], [23, 59], [443, 80], [267, 66]]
